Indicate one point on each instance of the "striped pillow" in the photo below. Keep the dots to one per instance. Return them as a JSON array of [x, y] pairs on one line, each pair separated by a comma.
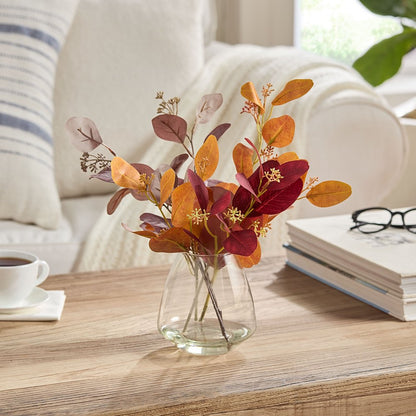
[[31, 34]]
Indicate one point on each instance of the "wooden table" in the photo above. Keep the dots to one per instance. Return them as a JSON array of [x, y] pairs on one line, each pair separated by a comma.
[[316, 352]]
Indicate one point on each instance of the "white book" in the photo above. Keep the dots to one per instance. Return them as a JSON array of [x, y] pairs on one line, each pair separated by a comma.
[[403, 309], [387, 257]]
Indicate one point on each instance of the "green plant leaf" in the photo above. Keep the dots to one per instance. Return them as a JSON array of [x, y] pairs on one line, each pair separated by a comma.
[[402, 8], [384, 59]]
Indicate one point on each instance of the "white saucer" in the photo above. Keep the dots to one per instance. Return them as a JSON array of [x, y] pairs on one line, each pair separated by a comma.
[[36, 297]]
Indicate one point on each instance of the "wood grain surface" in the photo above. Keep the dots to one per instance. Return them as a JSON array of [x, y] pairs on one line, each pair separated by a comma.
[[316, 352]]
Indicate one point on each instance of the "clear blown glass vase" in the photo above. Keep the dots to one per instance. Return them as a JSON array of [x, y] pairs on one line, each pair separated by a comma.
[[207, 306]]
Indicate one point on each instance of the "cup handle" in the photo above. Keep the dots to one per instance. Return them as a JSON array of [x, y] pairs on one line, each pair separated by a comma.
[[43, 272]]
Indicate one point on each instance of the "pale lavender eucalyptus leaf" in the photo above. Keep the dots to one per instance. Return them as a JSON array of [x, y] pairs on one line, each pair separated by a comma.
[[103, 175], [156, 221], [208, 105], [83, 133]]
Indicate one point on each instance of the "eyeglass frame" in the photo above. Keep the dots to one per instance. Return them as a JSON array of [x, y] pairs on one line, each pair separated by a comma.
[[356, 213]]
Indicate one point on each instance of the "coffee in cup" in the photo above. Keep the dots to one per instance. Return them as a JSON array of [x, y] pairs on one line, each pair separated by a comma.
[[20, 273]]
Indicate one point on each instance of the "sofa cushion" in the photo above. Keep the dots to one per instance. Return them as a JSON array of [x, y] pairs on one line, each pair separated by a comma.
[[60, 247], [119, 53], [31, 36]]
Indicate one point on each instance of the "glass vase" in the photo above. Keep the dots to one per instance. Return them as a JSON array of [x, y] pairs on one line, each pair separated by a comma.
[[207, 306]]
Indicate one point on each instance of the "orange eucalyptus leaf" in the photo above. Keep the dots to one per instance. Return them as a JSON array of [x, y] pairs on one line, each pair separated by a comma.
[[206, 160], [125, 175], [173, 240], [248, 91], [167, 182], [287, 157], [328, 193], [251, 260], [243, 159], [293, 89], [279, 131], [184, 201]]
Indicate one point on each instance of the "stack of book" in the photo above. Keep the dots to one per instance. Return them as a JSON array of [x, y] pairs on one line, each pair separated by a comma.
[[379, 268]]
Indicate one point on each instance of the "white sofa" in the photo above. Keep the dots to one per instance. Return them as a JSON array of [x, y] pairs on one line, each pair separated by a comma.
[[114, 57]]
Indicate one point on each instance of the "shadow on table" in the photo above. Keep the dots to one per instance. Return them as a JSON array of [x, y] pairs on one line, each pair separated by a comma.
[[321, 298]]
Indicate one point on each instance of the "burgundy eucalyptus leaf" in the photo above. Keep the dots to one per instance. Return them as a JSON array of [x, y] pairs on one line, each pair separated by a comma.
[[242, 242], [103, 175], [216, 228], [156, 221], [244, 182], [276, 201], [208, 105], [83, 133], [222, 202], [290, 172], [178, 161], [170, 127], [219, 131], [115, 200], [201, 191]]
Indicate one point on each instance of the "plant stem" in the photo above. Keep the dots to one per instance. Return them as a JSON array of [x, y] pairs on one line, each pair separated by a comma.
[[214, 301]]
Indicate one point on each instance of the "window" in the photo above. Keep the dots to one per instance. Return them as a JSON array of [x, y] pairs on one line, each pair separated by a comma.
[[341, 29]]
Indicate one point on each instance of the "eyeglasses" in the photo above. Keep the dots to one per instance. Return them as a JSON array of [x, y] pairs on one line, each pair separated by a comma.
[[373, 220]]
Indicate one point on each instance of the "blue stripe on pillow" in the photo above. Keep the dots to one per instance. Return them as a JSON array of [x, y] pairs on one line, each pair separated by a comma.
[[30, 97], [29, 48], [47, 151], [25, 125], [36, 11], [30, 110], [32, 33], [29, 72], [27, 59], [26, 155]]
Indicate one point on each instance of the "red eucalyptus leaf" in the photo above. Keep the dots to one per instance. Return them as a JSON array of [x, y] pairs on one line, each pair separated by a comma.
[[219, 130], [290, 171], [170, 127], [243, 181], [275, 202], [115, 200], [215, 227], [242, 242], [83, 133], [201, 191], [223, 202]]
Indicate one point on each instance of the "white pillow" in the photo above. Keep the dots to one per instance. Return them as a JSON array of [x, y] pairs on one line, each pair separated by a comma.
[[31, 35], [119, 53]]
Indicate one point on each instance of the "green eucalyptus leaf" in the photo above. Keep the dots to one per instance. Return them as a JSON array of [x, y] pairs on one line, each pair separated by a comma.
[[384, 59], [397, 8]]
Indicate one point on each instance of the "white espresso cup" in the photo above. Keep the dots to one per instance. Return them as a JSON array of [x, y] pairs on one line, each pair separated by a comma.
[[20, 273]]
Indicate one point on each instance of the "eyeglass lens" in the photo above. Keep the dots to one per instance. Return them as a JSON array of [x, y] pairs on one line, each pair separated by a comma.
[[377, 219]]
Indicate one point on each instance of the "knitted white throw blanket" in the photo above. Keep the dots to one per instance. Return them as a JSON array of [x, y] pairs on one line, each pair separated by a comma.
[[109, 246]]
